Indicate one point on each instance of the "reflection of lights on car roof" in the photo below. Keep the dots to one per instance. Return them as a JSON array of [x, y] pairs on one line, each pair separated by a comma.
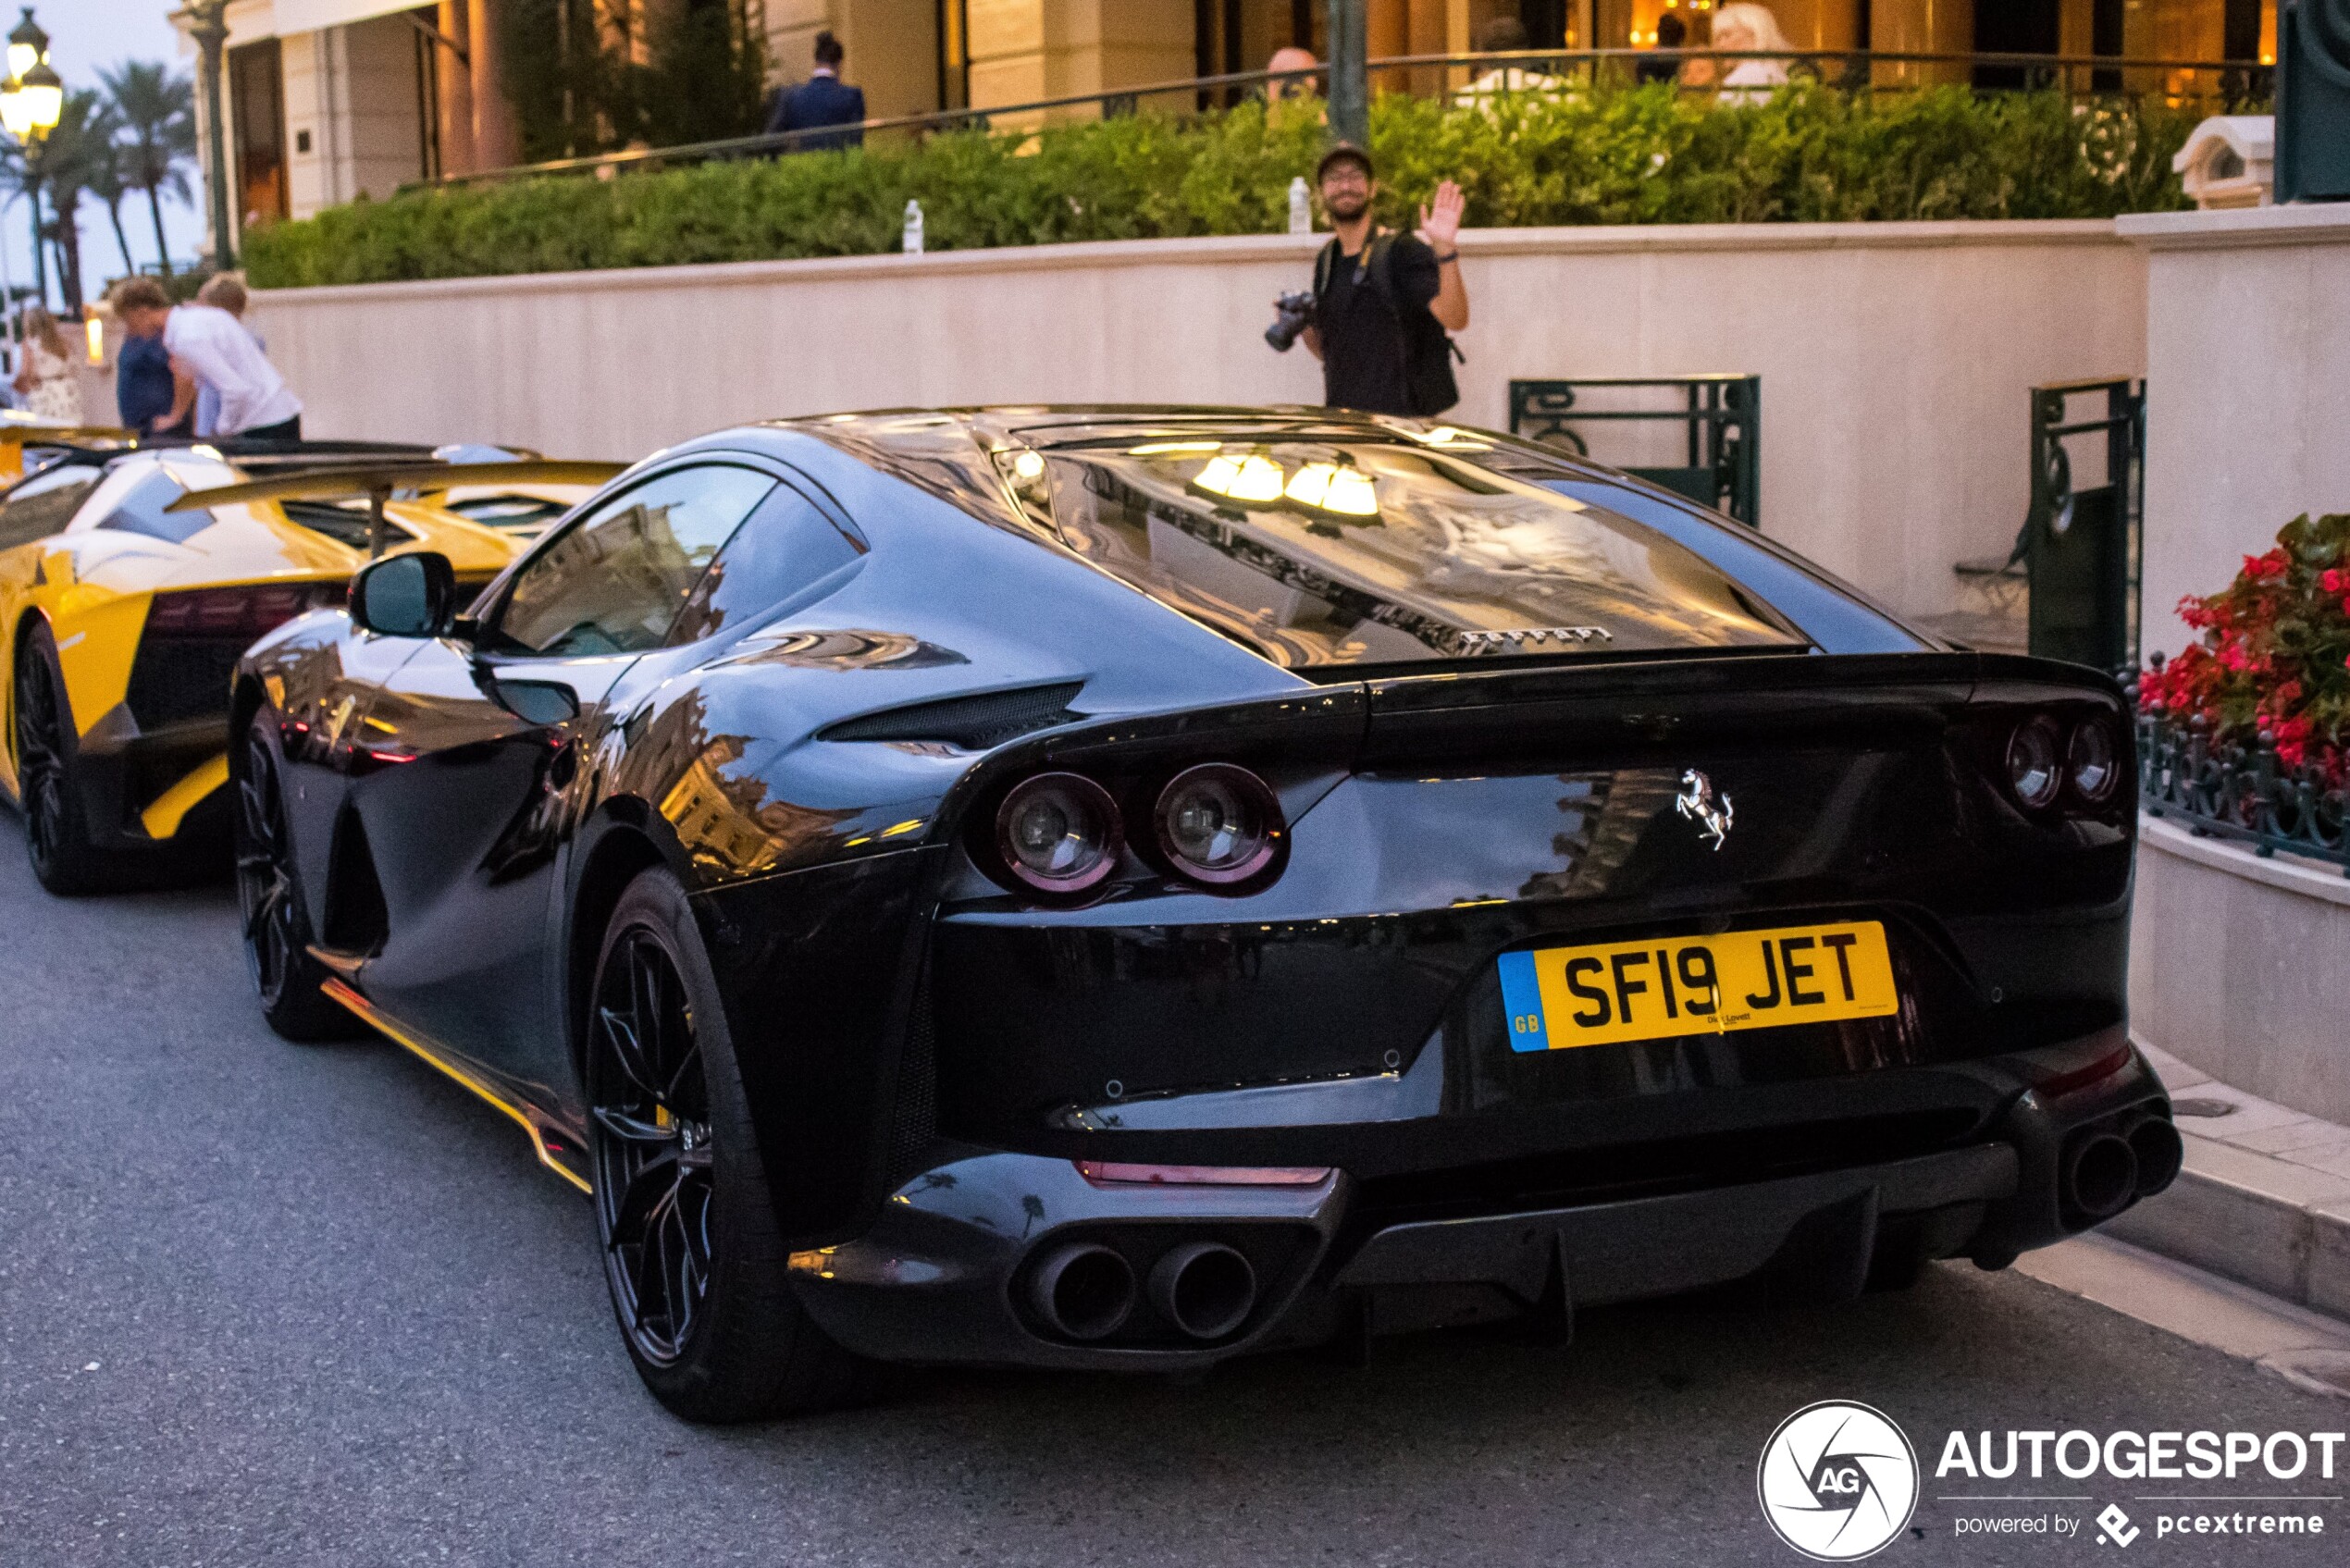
[[1329, 487], [1162, 449], [1323, 486], [1251, 478]]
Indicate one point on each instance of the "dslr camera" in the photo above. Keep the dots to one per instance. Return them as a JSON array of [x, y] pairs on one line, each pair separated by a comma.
[[1292, 314]]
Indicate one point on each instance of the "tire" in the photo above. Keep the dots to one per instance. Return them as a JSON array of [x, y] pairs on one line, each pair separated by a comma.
[[57, 830], [696, 1264], [276, 930]]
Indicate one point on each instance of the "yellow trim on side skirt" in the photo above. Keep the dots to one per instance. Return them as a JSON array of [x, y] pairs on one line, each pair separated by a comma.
[[369, 1014], [171, 807]]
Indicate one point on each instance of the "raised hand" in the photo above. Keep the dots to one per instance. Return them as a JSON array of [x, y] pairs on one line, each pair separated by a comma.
[[1440, 220]]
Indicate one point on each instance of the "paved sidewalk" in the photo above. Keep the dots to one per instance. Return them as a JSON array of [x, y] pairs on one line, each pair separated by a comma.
[[2264, 1198]]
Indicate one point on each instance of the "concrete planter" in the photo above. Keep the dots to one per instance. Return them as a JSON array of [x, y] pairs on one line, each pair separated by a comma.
[[2237, 967]]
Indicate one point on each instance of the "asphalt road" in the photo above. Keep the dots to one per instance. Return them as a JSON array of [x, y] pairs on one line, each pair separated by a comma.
[[262, 1304]]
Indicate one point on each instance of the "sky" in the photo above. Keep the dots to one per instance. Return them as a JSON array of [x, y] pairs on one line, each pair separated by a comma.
[[83, 36]]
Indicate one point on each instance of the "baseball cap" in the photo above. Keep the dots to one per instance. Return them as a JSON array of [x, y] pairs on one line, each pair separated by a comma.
[[1348, 150]]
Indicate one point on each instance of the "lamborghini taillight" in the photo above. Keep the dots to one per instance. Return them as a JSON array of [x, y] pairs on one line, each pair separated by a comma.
[[242, 613]]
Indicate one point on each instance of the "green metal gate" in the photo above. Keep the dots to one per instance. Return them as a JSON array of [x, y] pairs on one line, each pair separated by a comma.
[[1724, 419], [2081, 546]]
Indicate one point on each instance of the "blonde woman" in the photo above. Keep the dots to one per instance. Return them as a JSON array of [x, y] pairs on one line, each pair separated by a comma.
[[47, 380], [1745, 27]]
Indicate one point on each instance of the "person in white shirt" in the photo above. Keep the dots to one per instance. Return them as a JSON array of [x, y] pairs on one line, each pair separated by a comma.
[[226, 289], [208, 345], [1743, 27]]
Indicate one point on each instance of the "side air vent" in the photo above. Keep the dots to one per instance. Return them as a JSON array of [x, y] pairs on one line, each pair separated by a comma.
[[356, 919], [972, 722]]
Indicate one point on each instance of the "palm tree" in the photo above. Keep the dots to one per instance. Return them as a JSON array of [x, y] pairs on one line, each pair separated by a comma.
[[19, 180], [158, 115], [72, 159], [107, 183]]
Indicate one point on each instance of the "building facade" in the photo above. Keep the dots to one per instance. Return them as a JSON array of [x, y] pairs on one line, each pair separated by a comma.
[[327, 100]]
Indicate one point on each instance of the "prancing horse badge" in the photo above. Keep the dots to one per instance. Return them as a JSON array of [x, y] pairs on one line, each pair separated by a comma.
[[1697, 802]]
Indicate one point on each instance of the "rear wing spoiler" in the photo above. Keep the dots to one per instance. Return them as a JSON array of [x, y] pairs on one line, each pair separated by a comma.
[[378, 482]]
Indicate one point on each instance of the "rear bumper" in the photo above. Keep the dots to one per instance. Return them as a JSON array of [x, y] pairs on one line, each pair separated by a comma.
[[948, 1273], [154, 791]]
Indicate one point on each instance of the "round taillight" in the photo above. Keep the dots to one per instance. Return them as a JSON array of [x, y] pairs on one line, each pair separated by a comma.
[[1058, 832], [2034, 768], [1218, 824], [2091, 761]]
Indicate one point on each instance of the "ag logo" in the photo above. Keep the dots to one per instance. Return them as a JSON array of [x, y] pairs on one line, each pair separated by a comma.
[[1837, 1481]]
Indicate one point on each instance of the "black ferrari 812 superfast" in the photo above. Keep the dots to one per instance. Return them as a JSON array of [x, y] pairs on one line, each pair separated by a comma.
[[1129, 887]]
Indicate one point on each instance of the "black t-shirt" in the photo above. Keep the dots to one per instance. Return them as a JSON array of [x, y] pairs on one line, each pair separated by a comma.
[[1361, 339]]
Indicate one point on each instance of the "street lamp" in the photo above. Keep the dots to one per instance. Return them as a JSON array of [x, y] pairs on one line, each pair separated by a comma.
[[28, 46], [30, 103]]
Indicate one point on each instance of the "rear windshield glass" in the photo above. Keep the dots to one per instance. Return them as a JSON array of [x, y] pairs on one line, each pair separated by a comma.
[[141, 511], [1352, 553]]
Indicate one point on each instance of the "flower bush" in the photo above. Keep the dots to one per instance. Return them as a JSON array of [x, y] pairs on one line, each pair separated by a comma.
[[2274, 661], [1615, 154]]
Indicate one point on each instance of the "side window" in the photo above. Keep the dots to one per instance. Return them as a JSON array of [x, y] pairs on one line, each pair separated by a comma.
[[141, 511], [45, 504], [787, 544], [615, 581]]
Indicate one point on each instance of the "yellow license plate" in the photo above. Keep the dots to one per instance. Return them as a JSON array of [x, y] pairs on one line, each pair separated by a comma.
[[1560, 997]]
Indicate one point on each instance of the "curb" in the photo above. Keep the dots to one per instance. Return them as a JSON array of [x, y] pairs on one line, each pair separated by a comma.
[[2265, 1202]]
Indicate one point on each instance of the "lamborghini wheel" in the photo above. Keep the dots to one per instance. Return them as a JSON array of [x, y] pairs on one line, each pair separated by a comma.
[[276, 928], [696, 1266], [57, 833]]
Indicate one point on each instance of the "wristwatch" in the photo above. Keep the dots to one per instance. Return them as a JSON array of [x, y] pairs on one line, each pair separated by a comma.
[[1452, 257]]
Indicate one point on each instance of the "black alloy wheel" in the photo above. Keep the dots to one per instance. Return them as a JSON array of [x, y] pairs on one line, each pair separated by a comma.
[[698, 1272], [651, 1148], [56, 838], [286, 977]]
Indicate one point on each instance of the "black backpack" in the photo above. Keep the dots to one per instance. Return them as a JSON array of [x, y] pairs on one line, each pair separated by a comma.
[[1428, 350]]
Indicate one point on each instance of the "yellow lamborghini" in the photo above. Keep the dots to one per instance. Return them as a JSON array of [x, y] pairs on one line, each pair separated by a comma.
[[131, 578]]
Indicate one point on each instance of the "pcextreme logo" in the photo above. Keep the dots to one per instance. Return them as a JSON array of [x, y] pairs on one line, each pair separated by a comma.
[[1837, 1481]]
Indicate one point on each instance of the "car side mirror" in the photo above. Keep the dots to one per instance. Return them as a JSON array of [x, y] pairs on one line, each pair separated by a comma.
[[404, 595]]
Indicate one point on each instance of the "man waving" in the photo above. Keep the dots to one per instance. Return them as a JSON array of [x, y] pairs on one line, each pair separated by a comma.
[[1385, 304]]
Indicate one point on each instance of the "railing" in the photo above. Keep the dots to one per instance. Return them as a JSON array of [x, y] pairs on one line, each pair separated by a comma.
[[2082, 543], [2223, 84], [2244, 794], [1722, 416]]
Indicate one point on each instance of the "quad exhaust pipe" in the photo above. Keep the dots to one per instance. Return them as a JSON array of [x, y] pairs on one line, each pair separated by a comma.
[[2100, 1176], [2156, 1144], [1205, 1289], [1083, 1290]]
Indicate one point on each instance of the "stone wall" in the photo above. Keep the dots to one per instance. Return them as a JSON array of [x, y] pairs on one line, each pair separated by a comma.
[[2247, 405], [2236, 965], [1895, 357]]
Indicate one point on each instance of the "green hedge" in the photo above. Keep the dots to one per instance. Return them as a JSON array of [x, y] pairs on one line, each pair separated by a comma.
[[1622, 155]]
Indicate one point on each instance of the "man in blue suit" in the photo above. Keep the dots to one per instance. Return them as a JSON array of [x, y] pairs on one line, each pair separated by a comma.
[[823, 99]]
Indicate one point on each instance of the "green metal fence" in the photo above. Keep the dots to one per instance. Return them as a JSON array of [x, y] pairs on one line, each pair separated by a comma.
[[2081, 542], [1722, 424]]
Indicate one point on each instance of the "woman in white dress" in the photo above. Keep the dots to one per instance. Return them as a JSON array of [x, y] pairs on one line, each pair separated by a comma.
[[1743, 27], [47, 379]]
